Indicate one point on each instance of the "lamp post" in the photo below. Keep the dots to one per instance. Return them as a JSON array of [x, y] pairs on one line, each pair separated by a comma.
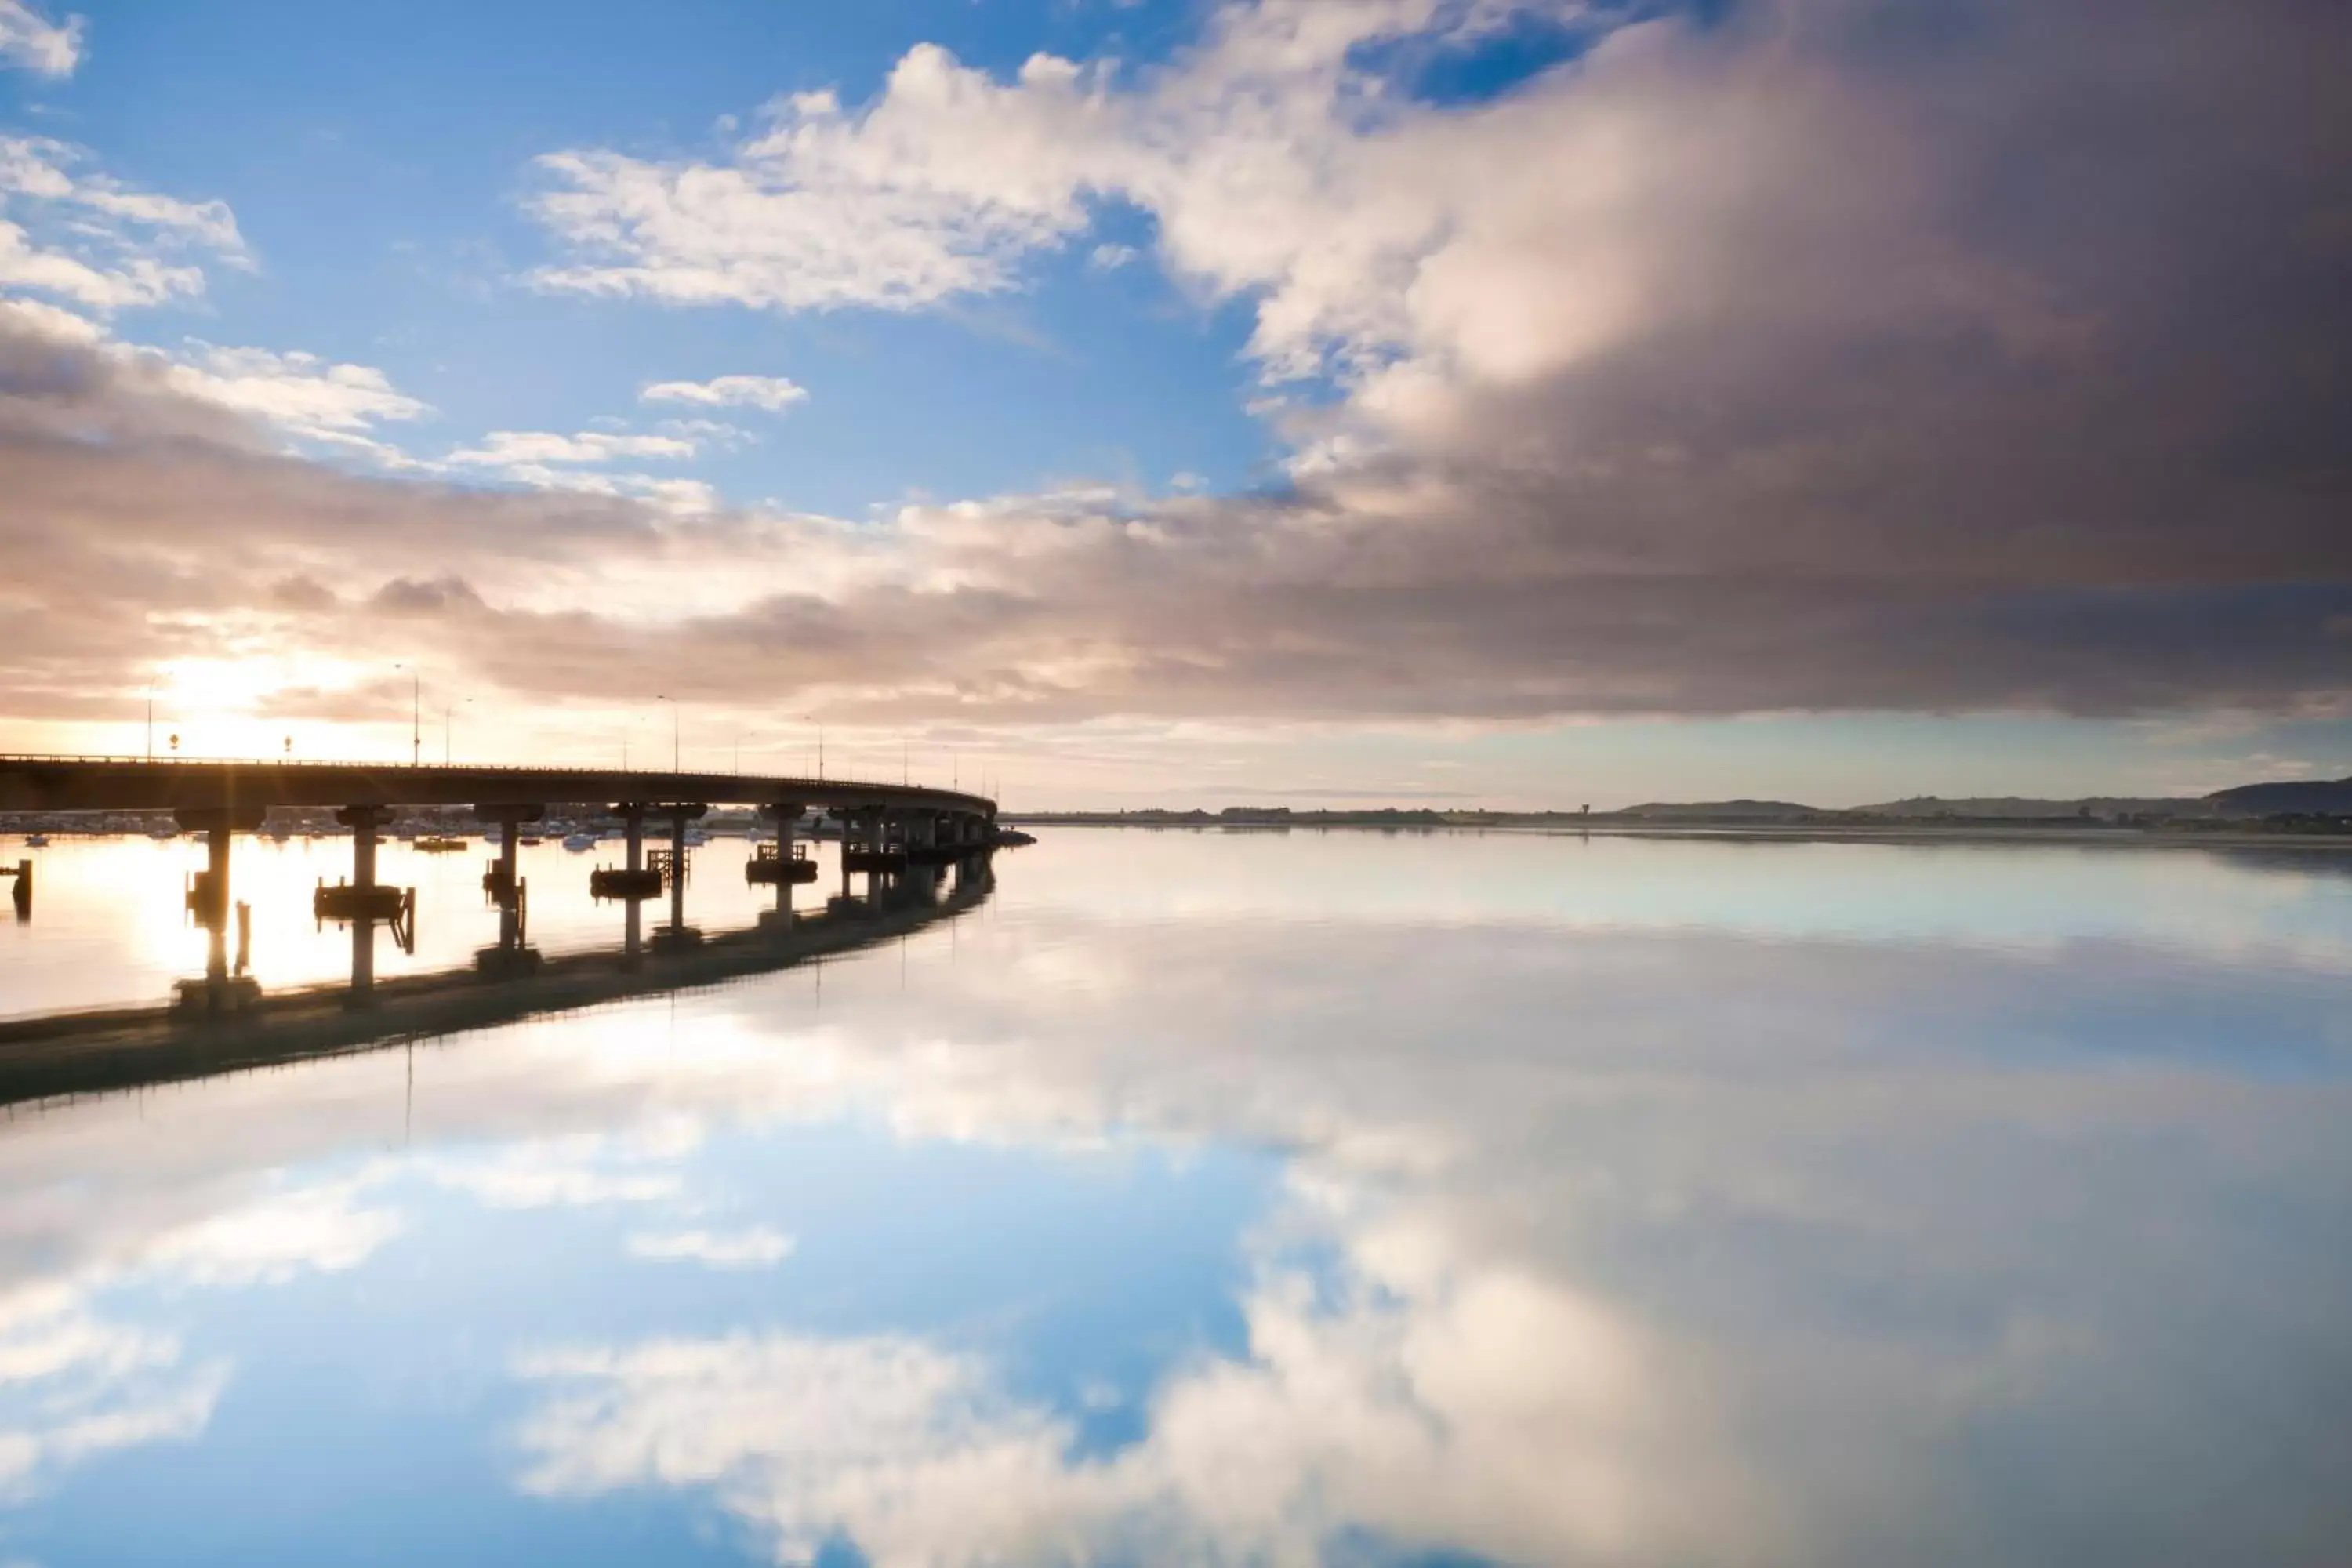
[[415, 717], [673, 729], [447, 710], [150, 720]]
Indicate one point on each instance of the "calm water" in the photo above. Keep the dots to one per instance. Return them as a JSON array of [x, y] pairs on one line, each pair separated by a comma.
[[1231, 1198]]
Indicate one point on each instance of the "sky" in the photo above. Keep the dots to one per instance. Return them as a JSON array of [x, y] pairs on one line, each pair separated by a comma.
[[1507, 403]]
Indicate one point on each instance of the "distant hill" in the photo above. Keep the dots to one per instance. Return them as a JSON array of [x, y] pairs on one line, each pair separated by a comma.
[[2026, 806], [2333, 796], [1724, 811]]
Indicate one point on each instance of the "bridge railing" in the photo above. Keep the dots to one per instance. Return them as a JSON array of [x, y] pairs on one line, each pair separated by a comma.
[[814, 785], [178, 761]]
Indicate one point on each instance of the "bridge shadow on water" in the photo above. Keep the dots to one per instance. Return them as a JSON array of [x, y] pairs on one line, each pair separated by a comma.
[[223, 1024]]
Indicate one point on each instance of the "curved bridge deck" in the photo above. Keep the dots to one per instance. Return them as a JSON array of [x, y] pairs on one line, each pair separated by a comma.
[[43, 785]]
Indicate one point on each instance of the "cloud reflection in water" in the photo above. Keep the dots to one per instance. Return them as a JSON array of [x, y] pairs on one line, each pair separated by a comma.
[[1652, 1242]]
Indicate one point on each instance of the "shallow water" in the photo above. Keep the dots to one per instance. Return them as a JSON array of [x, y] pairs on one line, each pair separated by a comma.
[[1232, 1198]]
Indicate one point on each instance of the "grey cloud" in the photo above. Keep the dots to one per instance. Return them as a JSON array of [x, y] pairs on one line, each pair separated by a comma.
[[303, 593], [440, 596]]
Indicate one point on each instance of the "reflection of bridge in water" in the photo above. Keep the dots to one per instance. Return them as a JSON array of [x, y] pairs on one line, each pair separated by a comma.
[[95, 1051]]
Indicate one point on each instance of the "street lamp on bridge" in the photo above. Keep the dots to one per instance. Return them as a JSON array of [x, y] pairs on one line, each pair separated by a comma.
[[415, 717], [673, 730]]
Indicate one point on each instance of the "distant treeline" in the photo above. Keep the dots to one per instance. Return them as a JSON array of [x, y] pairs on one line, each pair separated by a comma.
[[2062, 816]]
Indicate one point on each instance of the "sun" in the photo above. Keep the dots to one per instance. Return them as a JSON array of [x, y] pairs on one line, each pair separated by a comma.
[[219, 687]]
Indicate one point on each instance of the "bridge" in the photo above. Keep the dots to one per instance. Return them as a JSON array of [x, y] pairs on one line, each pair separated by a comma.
[[30, 784], [885, 827]]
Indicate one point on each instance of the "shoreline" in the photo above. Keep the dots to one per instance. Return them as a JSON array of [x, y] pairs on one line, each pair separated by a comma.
[[1901, 834]]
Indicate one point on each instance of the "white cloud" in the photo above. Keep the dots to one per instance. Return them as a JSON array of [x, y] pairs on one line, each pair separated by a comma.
[[521, 448], [908, 1449], [137, 281], [84, 1421], [53, 322], [89, 238], [1392, 243], [43, 169], [547, 460], [756, 1248], [1497, 1414], [300, 393], [1272, 165], [772, 393], [73, 1388], [552, 1174], [31, 40], [894, 208], [679, 498], [270, 1241]]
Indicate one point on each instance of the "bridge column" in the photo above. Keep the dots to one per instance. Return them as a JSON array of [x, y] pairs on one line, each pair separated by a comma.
[[505, 886], [363, 821], [213, 896], [208, 898], [509, 828], [678, 932], [787, 814], [633, 816]]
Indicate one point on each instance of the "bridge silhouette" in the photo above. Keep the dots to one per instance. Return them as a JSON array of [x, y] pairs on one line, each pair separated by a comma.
[[886, 830]]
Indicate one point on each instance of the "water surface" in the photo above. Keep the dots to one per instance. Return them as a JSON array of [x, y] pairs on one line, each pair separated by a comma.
[[1230, 1197]]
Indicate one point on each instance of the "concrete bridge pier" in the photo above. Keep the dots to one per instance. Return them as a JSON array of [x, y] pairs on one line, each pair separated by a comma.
[[677, 933], [215, 900], [208, 898], [363, 821], [787, 816], [633, 818], [505, 886]]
